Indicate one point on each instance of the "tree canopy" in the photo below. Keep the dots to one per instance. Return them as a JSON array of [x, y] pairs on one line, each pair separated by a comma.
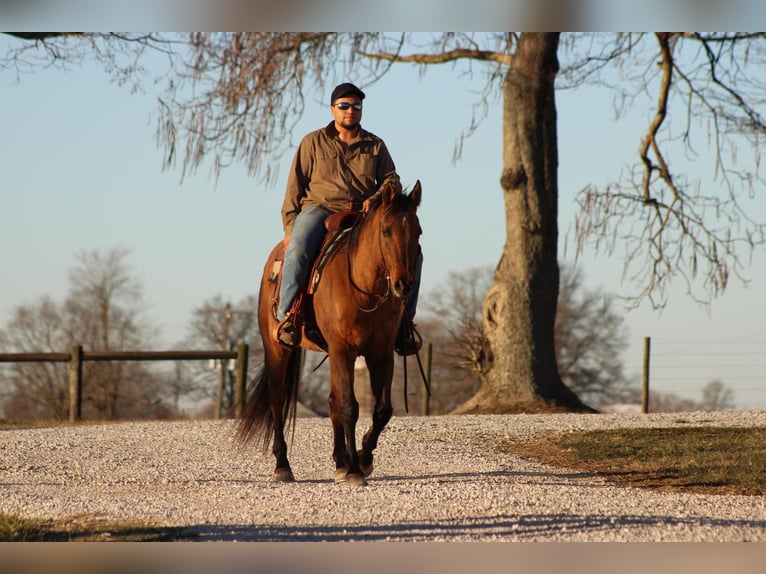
[[235, 97]]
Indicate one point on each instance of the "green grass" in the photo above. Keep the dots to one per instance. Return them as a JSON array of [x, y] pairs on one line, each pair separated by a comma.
[[17, 529], [708, 460], [84, 529]]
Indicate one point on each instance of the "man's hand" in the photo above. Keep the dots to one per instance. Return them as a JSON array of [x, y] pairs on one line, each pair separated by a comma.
[[370, 203]]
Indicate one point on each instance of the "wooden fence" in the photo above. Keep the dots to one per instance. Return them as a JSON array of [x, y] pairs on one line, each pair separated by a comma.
[[76, 357]]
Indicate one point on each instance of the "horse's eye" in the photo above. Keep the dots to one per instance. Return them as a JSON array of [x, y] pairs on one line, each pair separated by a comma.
[[386, 232]]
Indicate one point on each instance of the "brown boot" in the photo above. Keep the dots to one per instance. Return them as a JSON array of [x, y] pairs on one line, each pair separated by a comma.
[[408, 340], [286, 332]]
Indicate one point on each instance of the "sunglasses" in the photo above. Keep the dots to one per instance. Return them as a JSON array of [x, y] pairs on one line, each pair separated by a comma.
[[346, 105]]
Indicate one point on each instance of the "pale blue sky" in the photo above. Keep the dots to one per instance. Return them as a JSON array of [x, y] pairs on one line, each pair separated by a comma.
[[81, 171]]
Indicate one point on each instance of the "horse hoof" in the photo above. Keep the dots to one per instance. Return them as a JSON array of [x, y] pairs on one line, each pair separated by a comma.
[[283, 475], [340, 474], [365, 466], [342, 477], [355, 480]]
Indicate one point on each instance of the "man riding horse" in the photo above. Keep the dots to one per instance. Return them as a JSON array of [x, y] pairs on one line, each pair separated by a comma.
[[337, 168]]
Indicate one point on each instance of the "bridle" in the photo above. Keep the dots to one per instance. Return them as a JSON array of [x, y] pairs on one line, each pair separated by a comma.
[[355, 288]]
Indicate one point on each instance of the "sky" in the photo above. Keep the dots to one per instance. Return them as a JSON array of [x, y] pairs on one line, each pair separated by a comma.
[[82, 172]]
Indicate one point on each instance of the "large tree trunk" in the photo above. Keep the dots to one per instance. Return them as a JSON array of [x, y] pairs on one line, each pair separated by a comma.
[[520, 369]]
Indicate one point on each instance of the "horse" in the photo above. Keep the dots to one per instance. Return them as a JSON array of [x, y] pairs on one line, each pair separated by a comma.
[[357, 306]]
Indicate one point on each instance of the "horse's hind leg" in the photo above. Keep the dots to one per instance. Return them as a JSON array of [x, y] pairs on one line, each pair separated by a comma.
[[278, 399], [381, 374], [263, 413], [282, 472], [276, 391]]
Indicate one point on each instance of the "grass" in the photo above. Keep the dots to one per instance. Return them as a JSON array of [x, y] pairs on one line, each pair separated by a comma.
[[709, 460], [84, 529]]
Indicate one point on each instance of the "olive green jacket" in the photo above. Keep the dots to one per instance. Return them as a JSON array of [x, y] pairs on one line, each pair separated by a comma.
[[326, 175]]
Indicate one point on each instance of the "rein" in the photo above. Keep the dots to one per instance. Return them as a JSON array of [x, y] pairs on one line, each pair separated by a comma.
[[381, 298]]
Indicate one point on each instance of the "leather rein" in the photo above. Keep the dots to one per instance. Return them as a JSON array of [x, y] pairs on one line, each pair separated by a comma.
[[380, 298]]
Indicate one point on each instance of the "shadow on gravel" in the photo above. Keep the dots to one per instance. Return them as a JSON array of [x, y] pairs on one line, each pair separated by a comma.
[[547, 477], [539, 527]]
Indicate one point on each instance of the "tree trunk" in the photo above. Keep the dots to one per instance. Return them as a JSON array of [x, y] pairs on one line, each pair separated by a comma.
[[520, 372]]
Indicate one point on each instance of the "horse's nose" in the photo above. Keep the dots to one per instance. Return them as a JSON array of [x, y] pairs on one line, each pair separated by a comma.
[[401, 287]]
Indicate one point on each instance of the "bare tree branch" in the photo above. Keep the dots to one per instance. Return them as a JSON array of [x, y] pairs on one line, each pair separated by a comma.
[[671, 227], [442, 58], [650, 140], [41, 35]]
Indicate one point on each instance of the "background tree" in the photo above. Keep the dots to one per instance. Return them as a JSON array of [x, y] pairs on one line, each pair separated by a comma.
[[589, 339], [248, 89], [103, 312], [217, 324], [35, 390], [450, 318], [716, 397]]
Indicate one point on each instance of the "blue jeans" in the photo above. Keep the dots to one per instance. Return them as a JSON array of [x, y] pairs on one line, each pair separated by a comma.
[[305, 243]]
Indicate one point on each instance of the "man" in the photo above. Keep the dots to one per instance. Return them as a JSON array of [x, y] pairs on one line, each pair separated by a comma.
[[336, 168]]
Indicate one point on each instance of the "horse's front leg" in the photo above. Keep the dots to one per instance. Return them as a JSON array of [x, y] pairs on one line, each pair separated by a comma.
[[339, 441], [344, 412], [381, 374]]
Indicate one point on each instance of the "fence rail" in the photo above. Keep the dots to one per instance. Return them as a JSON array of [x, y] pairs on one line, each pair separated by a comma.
[[77, 356]]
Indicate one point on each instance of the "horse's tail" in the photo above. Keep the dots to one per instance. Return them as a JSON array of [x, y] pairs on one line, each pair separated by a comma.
[[257, 421]]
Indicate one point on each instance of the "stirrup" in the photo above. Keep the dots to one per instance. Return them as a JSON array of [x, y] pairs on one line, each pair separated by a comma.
[[286, 333]]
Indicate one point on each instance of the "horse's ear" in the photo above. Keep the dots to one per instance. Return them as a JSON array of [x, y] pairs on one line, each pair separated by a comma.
[[416, 194], [388, 193]]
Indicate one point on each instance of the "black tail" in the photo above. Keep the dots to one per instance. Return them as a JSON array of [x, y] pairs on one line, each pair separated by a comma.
[[257, 420]]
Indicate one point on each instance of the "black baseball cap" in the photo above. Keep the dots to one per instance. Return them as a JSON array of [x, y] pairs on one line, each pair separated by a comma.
[[345, 89]]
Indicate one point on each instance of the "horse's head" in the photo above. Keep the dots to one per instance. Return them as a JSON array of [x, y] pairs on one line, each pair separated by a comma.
[[399, 235]]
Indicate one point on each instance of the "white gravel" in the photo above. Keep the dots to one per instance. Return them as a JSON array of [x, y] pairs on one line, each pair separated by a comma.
[[435, 479]]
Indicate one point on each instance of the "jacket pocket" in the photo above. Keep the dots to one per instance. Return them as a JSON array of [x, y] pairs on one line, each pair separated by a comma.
[[363, 167], [326, 165]]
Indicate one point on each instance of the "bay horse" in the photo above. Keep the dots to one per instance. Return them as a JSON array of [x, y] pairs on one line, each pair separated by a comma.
[[357, 306]]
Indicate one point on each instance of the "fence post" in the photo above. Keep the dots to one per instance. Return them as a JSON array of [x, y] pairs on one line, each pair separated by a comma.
[[75, 383], [219, 389], [645, 382], [243, 350]]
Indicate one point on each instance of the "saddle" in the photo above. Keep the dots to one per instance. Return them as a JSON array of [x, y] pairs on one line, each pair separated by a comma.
[[337, 225]]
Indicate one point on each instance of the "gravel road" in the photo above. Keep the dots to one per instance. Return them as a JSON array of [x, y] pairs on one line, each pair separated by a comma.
[[434, 480]]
